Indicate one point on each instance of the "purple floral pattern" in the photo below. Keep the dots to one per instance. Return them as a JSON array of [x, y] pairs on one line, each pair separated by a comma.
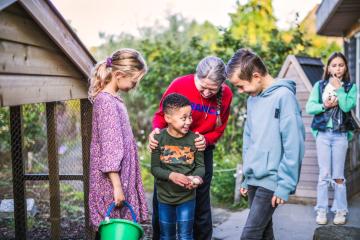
[[113, 149]]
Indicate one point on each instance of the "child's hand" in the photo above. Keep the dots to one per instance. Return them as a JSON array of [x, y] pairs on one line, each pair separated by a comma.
[[119, 197], [335, 81], [276, 201], [179, 179], [195, 181], [332, 102], [118, 192], [243, 192]]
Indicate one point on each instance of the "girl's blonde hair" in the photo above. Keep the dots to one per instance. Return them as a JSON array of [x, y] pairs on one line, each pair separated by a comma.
[[126, 60]]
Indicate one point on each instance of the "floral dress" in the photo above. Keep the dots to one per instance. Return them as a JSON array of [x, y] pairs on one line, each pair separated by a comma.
[[113, 149]]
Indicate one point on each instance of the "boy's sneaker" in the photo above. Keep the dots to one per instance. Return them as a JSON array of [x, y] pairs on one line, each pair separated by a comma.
[[321, 217], [340, 217]]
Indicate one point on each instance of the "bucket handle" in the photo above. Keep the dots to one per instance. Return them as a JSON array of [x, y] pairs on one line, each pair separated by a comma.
[[125, 203]]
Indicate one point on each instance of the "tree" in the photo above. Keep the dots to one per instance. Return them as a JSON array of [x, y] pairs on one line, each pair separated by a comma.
[[253, 21]]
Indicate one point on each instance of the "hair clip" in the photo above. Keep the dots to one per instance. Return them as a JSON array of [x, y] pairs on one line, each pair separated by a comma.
[[108, 62]]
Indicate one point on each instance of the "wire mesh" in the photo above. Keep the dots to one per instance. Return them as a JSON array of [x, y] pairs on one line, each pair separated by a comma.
[[68, 135], [25, 154], [38, 224], [7, 224], [72, 211]]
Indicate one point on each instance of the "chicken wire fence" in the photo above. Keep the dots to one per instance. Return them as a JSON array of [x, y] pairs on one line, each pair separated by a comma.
[[42, 158]]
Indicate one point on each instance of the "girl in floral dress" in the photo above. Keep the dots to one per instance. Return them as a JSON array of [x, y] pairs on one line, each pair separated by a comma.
[[114, 163]]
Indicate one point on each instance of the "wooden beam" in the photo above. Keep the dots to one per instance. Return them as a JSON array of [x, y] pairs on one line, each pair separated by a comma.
[[24, 89], [53, 161], [18, 58], [46, 15], [24, 30], [18, 170], [285, 67], [45, 177], [353, 30], [86, 117]]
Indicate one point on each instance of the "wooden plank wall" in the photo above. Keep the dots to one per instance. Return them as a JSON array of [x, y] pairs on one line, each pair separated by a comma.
[[306, 190], [32, 68]]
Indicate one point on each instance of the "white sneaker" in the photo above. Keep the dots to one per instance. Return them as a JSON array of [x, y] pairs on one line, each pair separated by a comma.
[[340, 217], [321, 217]]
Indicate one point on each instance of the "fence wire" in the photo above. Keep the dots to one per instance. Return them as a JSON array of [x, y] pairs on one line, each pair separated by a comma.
[[25, 151]]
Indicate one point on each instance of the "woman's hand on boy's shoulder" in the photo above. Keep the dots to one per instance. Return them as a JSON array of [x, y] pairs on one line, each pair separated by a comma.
[[200, 142], [153, 143]]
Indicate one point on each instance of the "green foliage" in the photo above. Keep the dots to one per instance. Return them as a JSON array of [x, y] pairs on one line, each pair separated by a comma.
[[145, 160], [223, 183], [253, 21], [33, 127], [72, 201], [4, 129], [168, 60]]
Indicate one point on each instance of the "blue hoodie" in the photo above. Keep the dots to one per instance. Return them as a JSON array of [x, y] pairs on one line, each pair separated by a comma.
[[273, 141]]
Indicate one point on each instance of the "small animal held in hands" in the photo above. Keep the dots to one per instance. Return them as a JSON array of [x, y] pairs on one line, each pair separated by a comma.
[[194, 180]]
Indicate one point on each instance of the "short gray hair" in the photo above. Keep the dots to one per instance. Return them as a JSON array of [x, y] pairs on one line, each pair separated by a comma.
[[212, 68]]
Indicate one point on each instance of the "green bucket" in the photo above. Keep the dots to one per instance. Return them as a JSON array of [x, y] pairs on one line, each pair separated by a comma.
[[120, 229]]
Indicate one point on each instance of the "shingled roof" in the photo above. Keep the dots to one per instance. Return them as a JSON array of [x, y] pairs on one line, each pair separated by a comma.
[[312, 67]]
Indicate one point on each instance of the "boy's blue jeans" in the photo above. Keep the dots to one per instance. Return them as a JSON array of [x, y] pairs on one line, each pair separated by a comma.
[[259, 222], [181, 215], [331, 154]]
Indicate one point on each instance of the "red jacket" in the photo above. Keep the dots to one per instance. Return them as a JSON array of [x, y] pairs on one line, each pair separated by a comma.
[[201, 107]]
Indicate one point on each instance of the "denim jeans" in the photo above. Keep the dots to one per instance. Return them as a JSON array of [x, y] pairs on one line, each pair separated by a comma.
[[331, 154], [203, 221], [259, 222], [176, 217]]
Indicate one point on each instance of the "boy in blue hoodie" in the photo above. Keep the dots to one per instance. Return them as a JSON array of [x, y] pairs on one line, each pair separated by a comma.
[[273, 140]]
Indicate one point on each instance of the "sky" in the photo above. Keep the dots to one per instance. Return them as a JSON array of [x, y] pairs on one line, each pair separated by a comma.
[[89, 17]]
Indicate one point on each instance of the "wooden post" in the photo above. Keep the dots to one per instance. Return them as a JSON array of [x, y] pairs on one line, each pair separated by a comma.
[[86, 116], [239, 176], [53, 162], [18, 172]]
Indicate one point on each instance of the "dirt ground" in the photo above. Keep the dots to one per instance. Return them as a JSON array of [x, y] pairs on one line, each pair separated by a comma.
[[72, 220]]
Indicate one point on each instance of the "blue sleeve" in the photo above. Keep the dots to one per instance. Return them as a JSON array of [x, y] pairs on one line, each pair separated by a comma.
[[292, 138], [246, 142]]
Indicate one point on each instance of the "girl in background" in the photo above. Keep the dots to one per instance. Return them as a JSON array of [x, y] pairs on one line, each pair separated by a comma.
[[331, 101]]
